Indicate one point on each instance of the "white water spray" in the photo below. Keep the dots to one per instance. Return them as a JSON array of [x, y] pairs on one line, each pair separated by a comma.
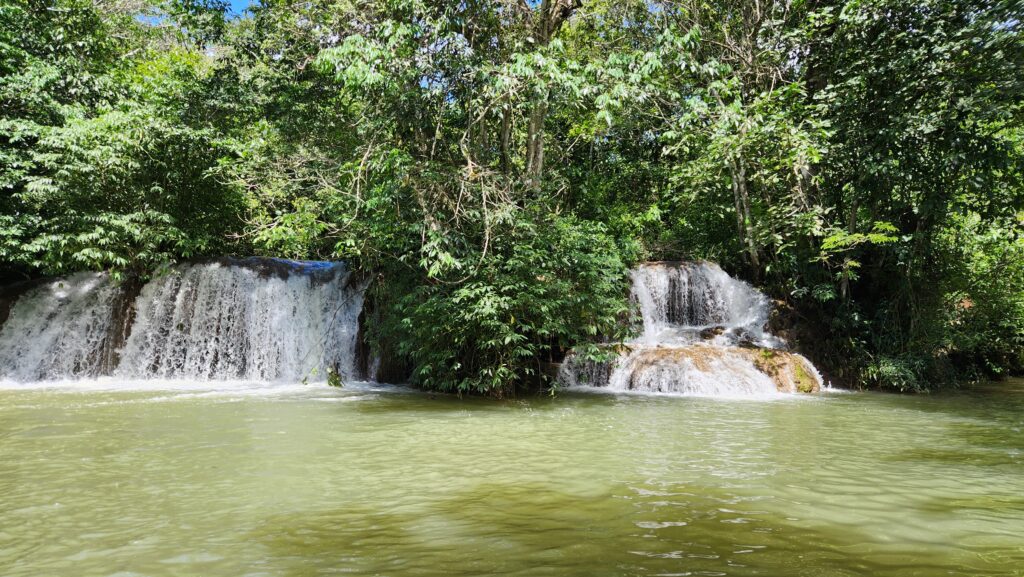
[[703, 334], [60, 329], [680, 301], [254, 320], [225, 322]]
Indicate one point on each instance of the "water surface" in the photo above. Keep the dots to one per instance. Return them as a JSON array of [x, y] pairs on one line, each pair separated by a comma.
[[176, 480]]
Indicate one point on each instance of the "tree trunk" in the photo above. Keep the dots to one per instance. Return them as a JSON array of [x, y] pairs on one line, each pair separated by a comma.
[[506, 132], [851, 227], [740, 192], [739, 212], [548, 20], [535, 143]]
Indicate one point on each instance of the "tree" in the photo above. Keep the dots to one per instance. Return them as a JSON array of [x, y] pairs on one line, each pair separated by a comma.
[[497, 165]]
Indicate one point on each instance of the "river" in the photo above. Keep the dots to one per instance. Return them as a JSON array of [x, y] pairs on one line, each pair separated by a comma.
[[117, 478]]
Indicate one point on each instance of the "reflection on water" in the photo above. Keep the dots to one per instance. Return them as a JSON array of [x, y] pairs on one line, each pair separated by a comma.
[[368, 481]]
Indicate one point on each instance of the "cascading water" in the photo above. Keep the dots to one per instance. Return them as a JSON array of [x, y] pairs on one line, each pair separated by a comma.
[[61, 329], [703, 334], [227, 322], [679, 302], [257, 319]]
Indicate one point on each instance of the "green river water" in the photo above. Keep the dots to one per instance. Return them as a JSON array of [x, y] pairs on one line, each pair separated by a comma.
[[297, 481]]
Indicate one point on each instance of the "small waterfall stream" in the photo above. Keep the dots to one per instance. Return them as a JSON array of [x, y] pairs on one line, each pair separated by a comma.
[[251, 319], [680, 301], [704, 333], [63, 329]]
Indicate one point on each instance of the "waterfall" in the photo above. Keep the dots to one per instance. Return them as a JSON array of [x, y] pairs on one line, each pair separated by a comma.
[[61, 329], [252, 319], [703, 333], [680, 301]]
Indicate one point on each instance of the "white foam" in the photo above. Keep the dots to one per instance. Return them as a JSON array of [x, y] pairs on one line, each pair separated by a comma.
[[224, 322], [59, 329], [220, 322], [694, 316]]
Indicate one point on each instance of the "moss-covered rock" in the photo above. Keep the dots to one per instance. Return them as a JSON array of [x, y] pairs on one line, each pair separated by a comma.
[[791, 372]]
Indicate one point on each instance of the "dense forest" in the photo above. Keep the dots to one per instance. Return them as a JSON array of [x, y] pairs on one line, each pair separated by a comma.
[[496, 166]]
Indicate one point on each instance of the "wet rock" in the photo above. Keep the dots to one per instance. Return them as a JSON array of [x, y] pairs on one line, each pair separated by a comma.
[[122, 318], [282, 268], [9, 293], [791, 372], [699, 369], [711, 332], [745, 339]]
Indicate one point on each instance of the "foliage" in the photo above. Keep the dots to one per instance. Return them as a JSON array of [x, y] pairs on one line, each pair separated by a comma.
[[546, 284], [497, 165], [106, 169]]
